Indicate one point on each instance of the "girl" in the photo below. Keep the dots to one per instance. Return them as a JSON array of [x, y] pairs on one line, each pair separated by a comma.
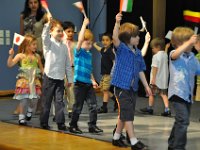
[[28, 86]]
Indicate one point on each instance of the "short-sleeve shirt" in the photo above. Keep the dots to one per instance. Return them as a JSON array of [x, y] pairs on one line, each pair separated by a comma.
[[107, 58], [160, 61]]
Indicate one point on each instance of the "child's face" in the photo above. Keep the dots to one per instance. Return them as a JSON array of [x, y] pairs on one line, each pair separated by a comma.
[[134, 40], [155, 49], [57, 33], [87, 44], [33, 46], [70, 34], [106, 41], [197, 46], [33, 5]]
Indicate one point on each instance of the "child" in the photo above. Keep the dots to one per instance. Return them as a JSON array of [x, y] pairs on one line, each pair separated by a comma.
[[71, 43], [128, 68], [197, 47], [84, 82], [28, 86], [57, 64], [183, 68], [107, 60], [159, 76]]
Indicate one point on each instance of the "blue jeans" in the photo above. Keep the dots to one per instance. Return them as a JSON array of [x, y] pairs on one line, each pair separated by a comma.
[[178, 136]]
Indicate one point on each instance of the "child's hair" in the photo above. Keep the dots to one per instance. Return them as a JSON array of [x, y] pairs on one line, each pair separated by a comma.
[[68, 24], [106, 34], [180, 35], [158, 42], [88, 35], [28, 39], [27, 11], [126, 31], [55, 23]]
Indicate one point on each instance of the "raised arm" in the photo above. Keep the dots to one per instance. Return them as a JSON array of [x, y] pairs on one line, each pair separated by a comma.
[[82, 32], [146, 44], [184, 47], [12, 61], [97, 47], [115, 37]]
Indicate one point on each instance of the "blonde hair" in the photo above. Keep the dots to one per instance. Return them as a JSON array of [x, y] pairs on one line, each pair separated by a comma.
[[180, 35], [55, 23], [88, 35], [126, 31], [28, 39], [158, 42]]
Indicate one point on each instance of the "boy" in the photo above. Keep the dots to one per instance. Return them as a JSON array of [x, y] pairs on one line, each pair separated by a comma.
[[84, 82], [128, 69], [159, 76], [57, 64], [183, 68]]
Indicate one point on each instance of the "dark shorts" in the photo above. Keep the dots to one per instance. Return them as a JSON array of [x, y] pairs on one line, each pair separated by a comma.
[[126, 101]]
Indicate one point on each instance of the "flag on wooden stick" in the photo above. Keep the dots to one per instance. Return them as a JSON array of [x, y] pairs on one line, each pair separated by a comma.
[[126, 5], [144, 28], [79, 5], [18, 39]]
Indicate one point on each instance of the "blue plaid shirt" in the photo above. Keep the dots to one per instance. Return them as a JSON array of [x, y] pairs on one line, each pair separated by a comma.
[[127, 67], [182, 73]]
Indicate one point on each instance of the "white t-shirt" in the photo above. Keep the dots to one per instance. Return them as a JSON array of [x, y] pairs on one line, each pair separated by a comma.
[[160, 61]]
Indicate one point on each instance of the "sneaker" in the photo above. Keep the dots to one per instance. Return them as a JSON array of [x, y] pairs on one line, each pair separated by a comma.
[[166, 113], [102, 110], [22, 122], [75, 130], [119, 143], [147, 110], [138, 146], [95, 129]]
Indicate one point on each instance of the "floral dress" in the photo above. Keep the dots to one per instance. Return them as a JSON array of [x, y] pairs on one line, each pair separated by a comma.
[[28, 85]]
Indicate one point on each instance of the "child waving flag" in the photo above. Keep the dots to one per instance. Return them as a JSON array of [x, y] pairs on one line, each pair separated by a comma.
[[126, 5]]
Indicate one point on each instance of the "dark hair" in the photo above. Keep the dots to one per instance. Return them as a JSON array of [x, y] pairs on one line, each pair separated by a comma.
[[158, 42], [27, 11], [107, 34], [68, 24]]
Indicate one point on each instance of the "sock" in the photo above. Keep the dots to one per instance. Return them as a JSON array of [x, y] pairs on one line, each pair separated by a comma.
[[116, 136], [105, 105], [133, 140], [29, 112], [166, 109], [21, 116]]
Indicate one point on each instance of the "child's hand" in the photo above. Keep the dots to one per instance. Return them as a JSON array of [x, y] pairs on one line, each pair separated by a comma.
[[193, 39], [118, 17], [95, 85], [86, 21], [49, 17], [147, 37], [11, 52], [148, 91]]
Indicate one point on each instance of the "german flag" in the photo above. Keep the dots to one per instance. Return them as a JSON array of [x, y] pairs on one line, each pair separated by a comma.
[[191, 13]]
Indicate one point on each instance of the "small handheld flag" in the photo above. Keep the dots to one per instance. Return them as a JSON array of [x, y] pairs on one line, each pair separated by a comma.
[[196, 30], [143, 25], [169, 35], [79, 5], [45, 5], [18, 39], [126, 5]]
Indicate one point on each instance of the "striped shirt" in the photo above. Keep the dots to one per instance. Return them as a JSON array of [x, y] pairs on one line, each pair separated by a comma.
[[82, 65]]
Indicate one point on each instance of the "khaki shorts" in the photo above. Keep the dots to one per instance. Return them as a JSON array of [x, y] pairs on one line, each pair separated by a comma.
[[105, 82]]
